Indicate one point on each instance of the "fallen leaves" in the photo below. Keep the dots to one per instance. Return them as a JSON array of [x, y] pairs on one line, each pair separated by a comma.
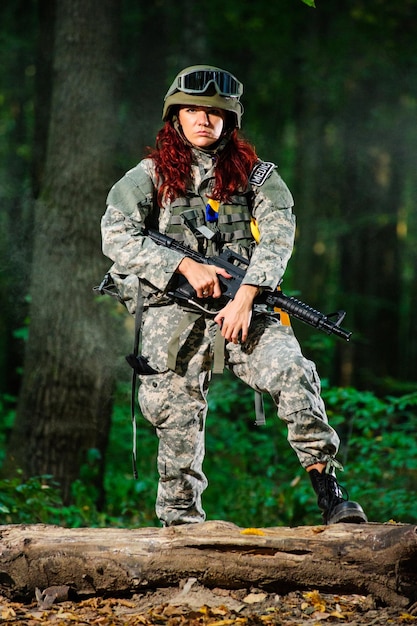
[[256, 608], [8, 613], [253, 598], [252, 531]]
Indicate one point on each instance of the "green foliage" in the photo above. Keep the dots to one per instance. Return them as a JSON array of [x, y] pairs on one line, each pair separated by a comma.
[[38, 500], [7, 415], [379, 449], [130, 501], [254, 476]]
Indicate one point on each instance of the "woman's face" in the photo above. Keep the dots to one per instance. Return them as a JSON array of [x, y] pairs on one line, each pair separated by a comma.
[[202, 126]]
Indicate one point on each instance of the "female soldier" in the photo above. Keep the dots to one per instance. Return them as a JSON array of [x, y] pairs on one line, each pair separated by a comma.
[[203, 185]]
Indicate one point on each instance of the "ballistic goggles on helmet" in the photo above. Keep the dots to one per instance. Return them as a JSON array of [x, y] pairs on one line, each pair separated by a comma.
[[205, 85], [198, 80]]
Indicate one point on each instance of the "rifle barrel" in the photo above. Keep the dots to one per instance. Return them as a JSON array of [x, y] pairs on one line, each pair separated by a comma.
[[307, 314]]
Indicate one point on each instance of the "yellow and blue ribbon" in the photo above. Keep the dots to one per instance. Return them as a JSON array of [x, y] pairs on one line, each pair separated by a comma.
[[212, 210]]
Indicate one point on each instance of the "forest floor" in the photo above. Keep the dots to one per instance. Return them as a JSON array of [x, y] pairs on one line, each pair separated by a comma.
[[190, 604]]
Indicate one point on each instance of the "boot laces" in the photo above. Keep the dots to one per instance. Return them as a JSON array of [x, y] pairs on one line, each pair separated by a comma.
[[338, 492]]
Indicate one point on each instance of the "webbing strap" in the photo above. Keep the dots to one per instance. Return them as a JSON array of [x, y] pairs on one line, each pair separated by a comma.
[[259, 409], [174, 343], [218, 353], [138, 328]]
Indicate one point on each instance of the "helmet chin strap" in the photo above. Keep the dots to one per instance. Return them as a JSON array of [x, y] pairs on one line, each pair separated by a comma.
[[214, 148]]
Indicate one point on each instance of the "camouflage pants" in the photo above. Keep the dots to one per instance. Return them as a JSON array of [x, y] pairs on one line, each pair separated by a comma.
[[175, 402]]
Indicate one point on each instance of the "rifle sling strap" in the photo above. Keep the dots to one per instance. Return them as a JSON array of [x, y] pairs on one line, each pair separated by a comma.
[[190, 317], [138, 330], [259, 409]]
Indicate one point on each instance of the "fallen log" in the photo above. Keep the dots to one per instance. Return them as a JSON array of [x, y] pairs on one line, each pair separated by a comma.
[[375, 559]]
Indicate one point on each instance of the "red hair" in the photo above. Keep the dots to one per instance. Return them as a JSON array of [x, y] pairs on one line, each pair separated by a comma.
[[173, 158]]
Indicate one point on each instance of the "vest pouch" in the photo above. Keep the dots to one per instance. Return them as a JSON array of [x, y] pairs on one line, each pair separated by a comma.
[[125, 287], [187, 215]]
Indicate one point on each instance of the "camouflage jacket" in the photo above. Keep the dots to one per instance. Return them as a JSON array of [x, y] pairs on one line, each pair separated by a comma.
[[132, 206]]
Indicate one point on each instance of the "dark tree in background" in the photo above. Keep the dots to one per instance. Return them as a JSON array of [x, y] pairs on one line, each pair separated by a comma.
[[65, 401]]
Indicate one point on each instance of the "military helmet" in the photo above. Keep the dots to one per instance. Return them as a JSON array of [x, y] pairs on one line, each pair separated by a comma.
[[208, 86]]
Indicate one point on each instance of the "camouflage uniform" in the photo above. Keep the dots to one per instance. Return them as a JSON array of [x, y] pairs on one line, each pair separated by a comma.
[[180, 344]]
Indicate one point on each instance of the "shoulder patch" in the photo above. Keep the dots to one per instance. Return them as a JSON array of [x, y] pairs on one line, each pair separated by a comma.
[[260, 173]]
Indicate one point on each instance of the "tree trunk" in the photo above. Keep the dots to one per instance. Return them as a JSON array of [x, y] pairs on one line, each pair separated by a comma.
[[65, 401], [376, 559]]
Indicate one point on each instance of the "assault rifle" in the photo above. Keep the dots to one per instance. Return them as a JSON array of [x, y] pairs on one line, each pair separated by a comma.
[[185, 293]]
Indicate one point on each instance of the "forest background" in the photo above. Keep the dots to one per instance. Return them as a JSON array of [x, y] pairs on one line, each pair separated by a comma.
[[331, 97]]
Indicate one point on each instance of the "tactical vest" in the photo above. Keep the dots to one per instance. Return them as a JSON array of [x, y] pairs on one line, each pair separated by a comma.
[[231, 228]]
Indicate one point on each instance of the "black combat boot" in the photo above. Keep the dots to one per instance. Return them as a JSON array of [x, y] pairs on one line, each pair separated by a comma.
[[334, 503]]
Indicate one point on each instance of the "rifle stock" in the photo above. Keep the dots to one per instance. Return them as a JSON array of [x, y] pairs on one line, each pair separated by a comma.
[[183, 291]]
